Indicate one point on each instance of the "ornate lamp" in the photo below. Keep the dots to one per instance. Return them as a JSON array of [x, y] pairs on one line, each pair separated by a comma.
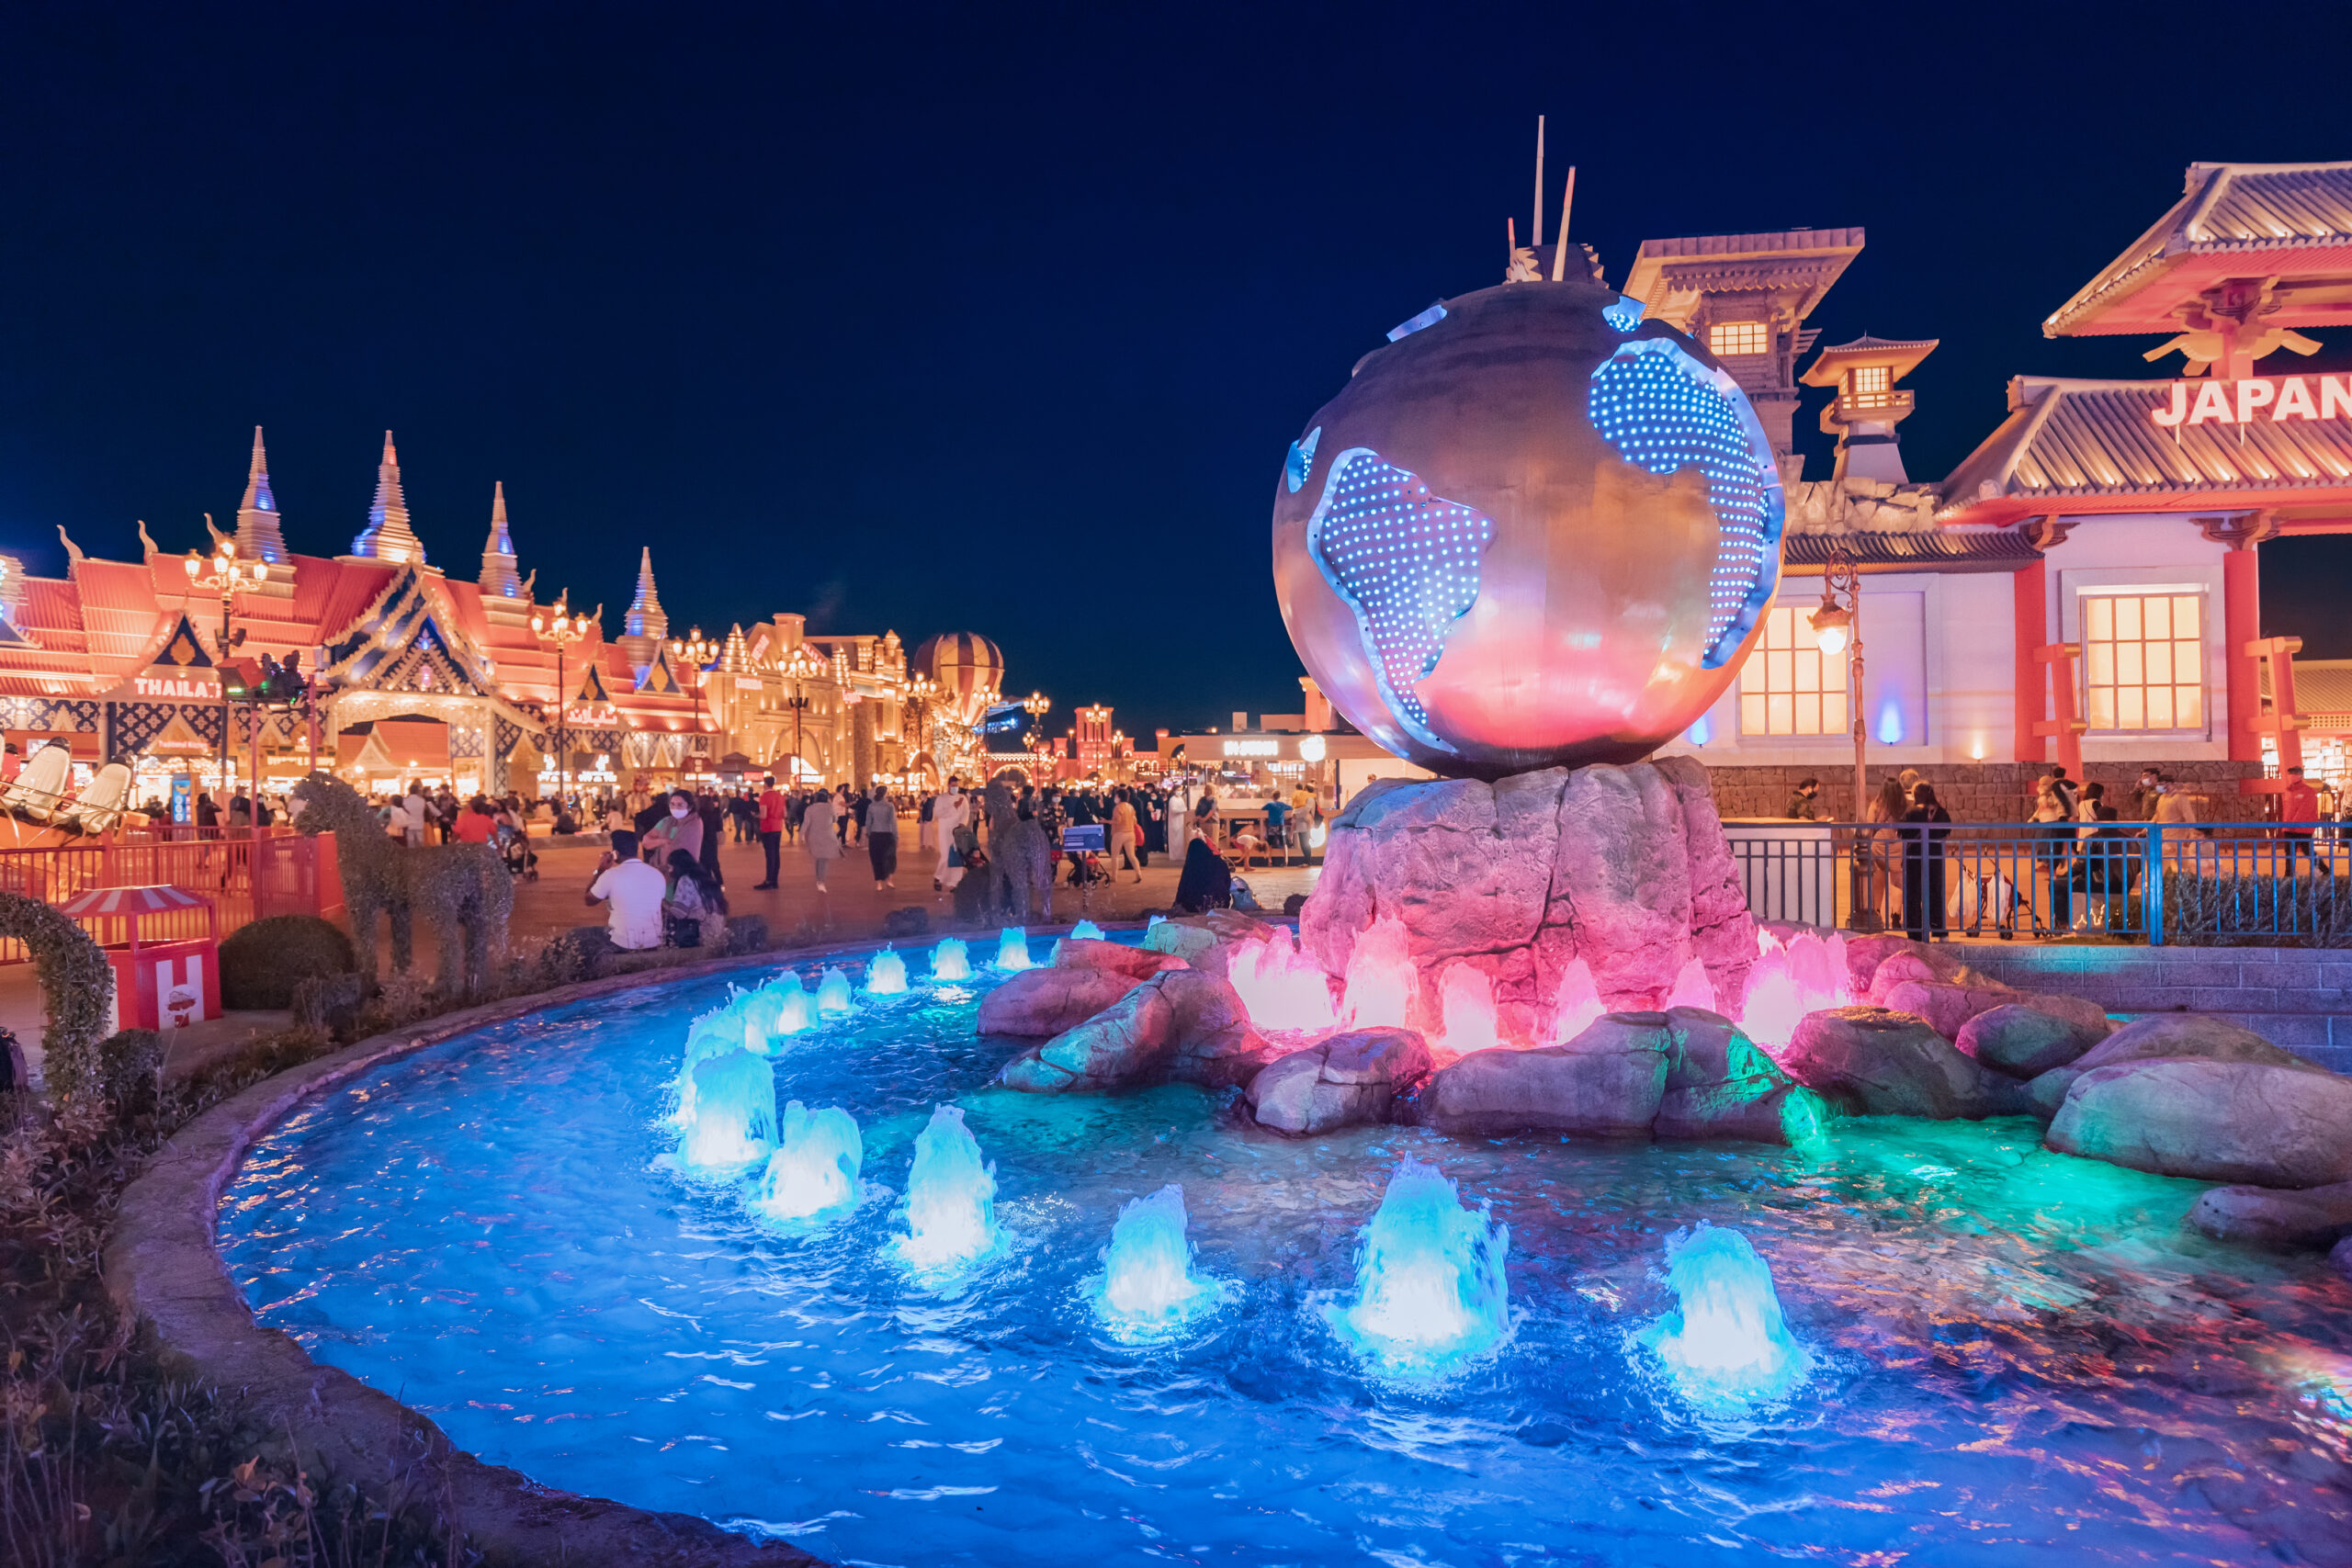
[[561, 628], [694, 650], [1838, 628], [228, 575]]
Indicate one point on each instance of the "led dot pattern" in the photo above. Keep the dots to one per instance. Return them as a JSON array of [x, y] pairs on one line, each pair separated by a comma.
[[1665, 411], [1300, 458], [1624, 315], [1406, 562]]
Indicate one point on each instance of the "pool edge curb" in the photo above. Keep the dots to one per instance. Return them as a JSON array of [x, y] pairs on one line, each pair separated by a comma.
[[164, 1271]]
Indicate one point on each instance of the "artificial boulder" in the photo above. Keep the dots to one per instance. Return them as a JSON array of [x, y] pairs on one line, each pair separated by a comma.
[[1124, 1043], [1719, 1084], [1882, 1063], [2314, 1219], [1208, 942], [1946, 1007], [1351, 1079], [1607, 1082], [1087, 953], [1214, 1044], [1183, 1026], [1047, 1001], [2213, 1118], [1625, 868], [2022, 1040], [1875, 964], [2170, 1034]]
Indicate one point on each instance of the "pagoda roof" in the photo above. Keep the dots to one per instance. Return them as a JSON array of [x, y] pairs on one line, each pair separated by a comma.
[[2293, 221], [1908, 549], [2075, 447], [1901, 354], [1668, 275]]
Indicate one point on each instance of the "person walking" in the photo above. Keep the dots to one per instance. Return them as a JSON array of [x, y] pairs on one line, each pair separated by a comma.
[[771, 830], [824, 845], [1923, 864], [882, 837], [2298, 807], [1123, 838], [714, 834]]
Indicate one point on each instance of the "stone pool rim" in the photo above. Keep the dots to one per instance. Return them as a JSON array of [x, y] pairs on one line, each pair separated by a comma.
[[164, 1269]]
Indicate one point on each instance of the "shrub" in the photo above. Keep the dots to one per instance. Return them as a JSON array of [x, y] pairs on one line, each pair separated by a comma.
[[131, 1065], [260, 964], [76, 982]]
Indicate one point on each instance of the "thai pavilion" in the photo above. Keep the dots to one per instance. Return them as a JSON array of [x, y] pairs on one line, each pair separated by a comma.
[[425, 675]]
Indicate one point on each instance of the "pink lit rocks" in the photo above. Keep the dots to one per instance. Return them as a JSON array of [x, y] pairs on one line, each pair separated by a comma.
[[1567, 894]]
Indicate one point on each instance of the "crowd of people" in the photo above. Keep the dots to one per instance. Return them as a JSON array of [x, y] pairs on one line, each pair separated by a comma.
[[2072, 868]]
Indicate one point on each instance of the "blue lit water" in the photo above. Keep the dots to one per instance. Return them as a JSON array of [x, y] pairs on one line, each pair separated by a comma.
[[2014, 1356]]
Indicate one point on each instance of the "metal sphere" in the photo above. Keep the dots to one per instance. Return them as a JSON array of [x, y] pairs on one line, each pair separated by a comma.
[[1536, 531]]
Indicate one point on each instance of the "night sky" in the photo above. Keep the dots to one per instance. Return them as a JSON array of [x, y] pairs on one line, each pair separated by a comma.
[[936, 319]]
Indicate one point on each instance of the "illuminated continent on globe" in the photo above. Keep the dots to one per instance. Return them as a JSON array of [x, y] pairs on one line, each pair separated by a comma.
[[1532, 530]]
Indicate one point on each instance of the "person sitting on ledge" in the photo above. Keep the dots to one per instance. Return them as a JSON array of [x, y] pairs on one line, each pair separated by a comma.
[[1804, 806], [1206, 881], [635, 890]]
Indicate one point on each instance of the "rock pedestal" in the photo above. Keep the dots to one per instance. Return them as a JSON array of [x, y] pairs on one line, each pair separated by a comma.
[[1623, 867]]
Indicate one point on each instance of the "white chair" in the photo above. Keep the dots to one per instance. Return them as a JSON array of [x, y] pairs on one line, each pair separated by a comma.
[[101, 804], [38, 793]]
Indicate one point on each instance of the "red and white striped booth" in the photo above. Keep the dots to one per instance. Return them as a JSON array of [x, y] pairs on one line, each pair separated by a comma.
[[165, 984]]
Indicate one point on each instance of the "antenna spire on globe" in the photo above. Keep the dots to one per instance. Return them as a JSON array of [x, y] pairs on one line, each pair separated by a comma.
[[1533, 530]]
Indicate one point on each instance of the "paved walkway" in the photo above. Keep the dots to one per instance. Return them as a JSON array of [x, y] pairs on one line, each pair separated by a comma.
[[852, 910]]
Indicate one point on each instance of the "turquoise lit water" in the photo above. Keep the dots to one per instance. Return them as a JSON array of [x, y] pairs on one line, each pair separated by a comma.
[[2016, 1356]]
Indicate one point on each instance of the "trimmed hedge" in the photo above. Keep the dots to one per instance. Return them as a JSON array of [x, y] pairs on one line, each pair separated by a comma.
[[261, 963]]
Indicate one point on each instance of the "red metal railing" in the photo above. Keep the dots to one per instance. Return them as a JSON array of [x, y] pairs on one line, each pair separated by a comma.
[[279, 873]]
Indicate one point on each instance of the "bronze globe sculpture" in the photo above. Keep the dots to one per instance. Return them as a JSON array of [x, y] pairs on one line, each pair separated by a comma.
[[1532, 530]]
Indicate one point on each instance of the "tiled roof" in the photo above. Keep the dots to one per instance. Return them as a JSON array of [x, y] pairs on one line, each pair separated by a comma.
[[2232, 219], [2322, 690], [1888, 549], [2076, 446], [119, 611]]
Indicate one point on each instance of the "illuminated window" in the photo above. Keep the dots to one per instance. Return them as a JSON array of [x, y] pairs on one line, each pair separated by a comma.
[[1788, 686], [1869, 378], [2143, 661], [1738, 337]]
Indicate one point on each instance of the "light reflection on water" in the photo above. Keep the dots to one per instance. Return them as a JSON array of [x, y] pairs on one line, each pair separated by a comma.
[[2016, 1353]]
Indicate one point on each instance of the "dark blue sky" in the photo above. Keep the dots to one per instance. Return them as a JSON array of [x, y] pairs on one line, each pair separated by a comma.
[[984, 317]]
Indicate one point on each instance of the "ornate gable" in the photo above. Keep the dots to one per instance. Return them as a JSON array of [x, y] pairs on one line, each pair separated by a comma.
[[407, 641], [180, 647], [657, 678]]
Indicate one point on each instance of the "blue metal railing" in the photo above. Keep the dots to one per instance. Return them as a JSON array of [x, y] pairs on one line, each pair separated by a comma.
[[2204, 884]]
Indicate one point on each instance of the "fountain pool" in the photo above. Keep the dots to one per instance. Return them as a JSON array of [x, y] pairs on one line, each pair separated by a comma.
[[2013, 1355]]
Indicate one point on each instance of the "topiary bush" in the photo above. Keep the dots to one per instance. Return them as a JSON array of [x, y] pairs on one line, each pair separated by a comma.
[[77, 983], [131, 1069], [261, 963]]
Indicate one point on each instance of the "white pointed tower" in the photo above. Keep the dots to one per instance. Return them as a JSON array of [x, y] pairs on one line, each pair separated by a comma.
[[388, 537], [645, 626], [500, 580], [258, 537]]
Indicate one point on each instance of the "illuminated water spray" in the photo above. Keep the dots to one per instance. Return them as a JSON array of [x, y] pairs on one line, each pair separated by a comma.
[[1148, 1287], [1086, 931], [951, 1200], [951, 960], [812, 1176], [1729, 1347], [886, 975], [733, 1117], [1012, 948], [1431, 1291], [832, 992]]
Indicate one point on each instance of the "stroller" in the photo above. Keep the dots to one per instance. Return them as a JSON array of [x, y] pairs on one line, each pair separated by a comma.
[[515, 849]]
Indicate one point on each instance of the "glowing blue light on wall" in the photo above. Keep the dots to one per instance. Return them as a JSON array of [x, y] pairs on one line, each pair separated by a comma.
[[1406, 562], [1889, 725], [1301, 459], [1427, 318], [1703, 731], [1624, 315], [1665, 411]]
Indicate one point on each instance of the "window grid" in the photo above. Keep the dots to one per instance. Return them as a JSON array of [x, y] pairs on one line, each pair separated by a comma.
[[1788, 687], [2144, 662], [1738, 338]]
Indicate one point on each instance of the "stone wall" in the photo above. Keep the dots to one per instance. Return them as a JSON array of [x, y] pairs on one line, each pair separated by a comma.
[[1983, 792]]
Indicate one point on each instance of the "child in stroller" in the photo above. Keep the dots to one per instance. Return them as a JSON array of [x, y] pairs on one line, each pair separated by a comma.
[[515, 849]]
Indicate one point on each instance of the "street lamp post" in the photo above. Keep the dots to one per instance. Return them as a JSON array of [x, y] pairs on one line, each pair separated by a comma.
[[561, 628], [695, 650], [227, 576], [920, 692], [1037, 706], [1838, 628]]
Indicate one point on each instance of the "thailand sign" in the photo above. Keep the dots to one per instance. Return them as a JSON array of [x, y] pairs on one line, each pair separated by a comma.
[[2274, 398]]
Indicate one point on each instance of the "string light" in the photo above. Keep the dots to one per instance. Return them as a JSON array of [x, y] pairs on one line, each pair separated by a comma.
[[1664, 411], [1406, 562]]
